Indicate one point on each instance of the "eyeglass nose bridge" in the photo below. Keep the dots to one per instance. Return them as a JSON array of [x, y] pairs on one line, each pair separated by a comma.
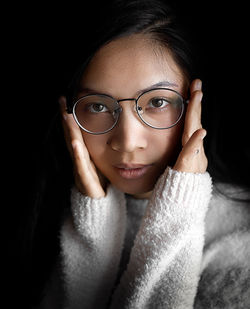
[[119, 109], [137, 108], [129, 99]]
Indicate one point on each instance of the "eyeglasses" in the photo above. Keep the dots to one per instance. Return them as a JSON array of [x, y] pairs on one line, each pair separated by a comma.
[[159, 108]]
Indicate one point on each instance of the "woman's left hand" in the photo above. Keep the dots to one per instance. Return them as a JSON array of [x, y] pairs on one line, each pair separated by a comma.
[[192, 158]]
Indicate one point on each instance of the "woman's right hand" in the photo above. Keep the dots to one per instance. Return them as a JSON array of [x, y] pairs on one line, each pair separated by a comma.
[[87, 179]]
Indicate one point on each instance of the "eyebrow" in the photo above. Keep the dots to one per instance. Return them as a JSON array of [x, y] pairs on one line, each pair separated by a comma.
[[163, 84], [160, 84]]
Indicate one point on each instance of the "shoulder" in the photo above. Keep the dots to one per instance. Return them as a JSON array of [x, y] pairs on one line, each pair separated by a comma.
[[225, 269], [227, 213], [227, 224]]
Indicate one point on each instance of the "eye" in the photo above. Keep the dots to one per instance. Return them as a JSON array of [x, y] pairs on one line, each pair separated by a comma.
[[156, 103], [97, 108]]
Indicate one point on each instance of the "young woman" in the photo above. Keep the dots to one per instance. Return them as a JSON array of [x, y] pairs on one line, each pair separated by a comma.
[[142, 228]]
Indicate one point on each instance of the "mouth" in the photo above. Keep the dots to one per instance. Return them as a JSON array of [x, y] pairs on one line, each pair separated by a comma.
[[132, 171]]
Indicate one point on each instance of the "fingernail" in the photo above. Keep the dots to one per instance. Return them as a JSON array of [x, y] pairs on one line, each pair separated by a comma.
[[198, 84]]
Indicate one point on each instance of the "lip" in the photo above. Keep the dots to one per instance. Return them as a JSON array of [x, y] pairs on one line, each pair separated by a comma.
[[132, 171]]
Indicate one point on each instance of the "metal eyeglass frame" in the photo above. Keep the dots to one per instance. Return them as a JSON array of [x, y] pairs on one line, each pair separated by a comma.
[[71, 109]]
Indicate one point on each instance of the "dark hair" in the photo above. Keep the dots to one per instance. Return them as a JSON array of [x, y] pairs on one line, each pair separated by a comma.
[[152, 18], [54, 168]]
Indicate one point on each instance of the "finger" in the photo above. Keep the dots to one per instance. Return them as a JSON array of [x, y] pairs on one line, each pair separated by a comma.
[[196, 85], [86, 178], [192, 157], [195, 143], [72, 131], [75, 143], [64, 115], [81, 158], [69, 121], [74, 140], [193, 114]]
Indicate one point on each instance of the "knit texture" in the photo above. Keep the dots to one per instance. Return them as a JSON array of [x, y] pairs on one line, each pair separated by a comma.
[[92, 242], [184, 248]]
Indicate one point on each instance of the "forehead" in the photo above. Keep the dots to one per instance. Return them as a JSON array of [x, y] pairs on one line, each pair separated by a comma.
[[128, 64]]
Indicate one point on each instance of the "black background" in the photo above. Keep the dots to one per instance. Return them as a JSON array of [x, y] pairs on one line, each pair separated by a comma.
[[42, 48]]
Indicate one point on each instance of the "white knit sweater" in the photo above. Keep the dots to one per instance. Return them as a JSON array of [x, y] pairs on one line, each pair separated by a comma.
[[180, 249]]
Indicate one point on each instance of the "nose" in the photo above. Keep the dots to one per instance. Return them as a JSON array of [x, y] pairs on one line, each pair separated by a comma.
[[129, 134]]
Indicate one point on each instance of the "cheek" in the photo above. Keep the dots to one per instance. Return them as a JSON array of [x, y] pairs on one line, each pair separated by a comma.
[[168, 145], [162, 148]]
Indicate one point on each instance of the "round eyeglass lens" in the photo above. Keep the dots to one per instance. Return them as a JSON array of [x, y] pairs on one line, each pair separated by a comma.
[[160, 108], [96, 113]]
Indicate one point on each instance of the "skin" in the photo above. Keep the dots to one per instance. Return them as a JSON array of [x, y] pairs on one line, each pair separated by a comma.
[[121, 69]]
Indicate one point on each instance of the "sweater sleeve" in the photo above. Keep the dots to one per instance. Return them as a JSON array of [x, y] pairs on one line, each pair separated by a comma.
[[91, 244], [164, 266]]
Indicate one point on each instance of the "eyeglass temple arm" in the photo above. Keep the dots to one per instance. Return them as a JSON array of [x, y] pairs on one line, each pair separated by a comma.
[[69, 109], [69, 105]]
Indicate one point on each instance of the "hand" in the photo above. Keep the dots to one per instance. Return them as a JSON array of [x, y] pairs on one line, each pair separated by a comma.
[[87, 179], [192, 158]]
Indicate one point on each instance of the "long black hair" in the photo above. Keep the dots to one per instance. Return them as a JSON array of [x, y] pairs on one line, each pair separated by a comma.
[[123, 18], [52, 177]]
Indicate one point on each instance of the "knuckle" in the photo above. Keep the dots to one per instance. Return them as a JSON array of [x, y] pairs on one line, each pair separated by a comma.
[[198, 93], [76, 149], [75, 144], [185, 161]]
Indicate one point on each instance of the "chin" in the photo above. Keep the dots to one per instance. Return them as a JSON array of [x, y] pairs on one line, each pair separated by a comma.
[[135, 188]]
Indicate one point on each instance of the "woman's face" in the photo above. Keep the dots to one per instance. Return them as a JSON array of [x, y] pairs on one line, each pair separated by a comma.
[[132, 155]]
